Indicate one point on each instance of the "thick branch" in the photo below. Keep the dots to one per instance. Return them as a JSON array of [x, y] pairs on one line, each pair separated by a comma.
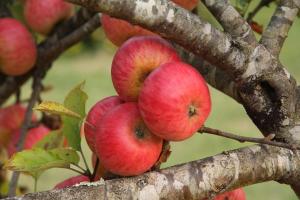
[[195, 180], [66, 35], [279, 26], [231, 20]]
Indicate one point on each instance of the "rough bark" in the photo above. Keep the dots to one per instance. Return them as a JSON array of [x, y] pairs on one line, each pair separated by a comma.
[[232, 22], [196, 180]]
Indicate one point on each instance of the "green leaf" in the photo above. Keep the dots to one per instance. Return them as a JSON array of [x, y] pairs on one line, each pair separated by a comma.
[[75, 101], [35, 161], [52, 140], [56, 108]]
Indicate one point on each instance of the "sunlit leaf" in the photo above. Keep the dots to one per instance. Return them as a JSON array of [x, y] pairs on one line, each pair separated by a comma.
[[56, 108]]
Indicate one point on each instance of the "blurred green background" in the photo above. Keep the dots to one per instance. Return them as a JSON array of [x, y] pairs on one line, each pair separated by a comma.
[[92, 61]]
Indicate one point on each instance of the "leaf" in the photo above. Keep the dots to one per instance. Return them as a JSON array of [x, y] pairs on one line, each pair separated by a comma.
[[52, 140], [35, 161], [75, 101], [56, 108]]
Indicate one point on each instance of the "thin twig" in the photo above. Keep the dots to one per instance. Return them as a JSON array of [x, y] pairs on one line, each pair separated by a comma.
[[77, 171], [267, 140], [95, 170], [85, 163], [36, 88], [261, 4]]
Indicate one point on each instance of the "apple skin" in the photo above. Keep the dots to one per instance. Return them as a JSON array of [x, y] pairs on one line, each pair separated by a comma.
[[135, 60], [95, 115], [72, 181], [42, 15], [124, 145], [17, 48], [11, 118], [237, 194], [33, 136], [118, 30], [174, 101], [187, 4]]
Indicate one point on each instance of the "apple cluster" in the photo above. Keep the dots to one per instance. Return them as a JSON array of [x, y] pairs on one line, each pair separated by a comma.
[[11, 119], [18, 51], [159, 98]]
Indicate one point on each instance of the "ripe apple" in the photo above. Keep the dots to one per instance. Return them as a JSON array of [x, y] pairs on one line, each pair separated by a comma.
[[95, 115], [42, 15], [11, 118], [135, 60], [118, 31], [187, 4], [174, 101], [17, 48], [33, 136], [124, 145], [237, 194], [72, 181]]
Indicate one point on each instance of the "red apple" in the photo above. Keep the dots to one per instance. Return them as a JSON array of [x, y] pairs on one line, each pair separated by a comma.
[[42, 15], [33, 136], [135, 60], [72, 181], [174, 101], [95, 115], [124, 145], [118, 31], [237, 194], [11, 119], [187, 4], [17, 48]]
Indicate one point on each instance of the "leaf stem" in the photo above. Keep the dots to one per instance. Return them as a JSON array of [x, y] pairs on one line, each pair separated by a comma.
[[85, 163], [95, 170]]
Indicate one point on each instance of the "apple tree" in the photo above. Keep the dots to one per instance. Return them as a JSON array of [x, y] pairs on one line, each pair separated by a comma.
[[230, 59]]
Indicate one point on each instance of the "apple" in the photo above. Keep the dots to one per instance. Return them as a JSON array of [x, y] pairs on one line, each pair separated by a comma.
[[174, 101], [33, 136], [17, 48], [124, 145], [72, 181], [101, 171], [95, 115], [43, 15], [135, 60], [237, 194], [187, 4], [118, 31], [11, 118]]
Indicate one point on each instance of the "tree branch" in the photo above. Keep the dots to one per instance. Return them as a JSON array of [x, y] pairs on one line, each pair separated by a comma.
[[261, 4], [36, 88], [66, 35], [195, 180], [266, 140], [275, 34], [231, 20]]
